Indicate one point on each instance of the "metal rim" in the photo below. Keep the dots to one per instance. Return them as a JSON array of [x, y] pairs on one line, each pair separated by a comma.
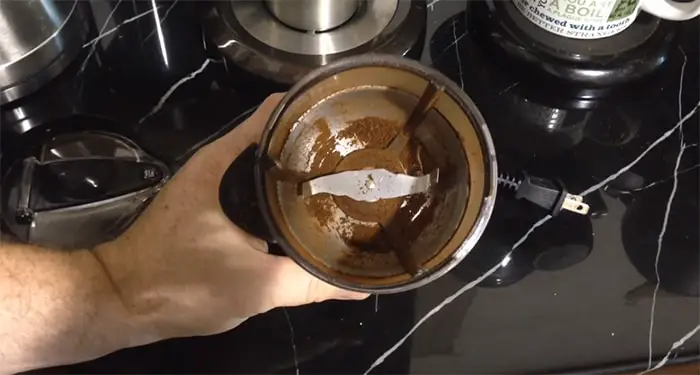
[[362, 28], [467, 106], [74, 23]]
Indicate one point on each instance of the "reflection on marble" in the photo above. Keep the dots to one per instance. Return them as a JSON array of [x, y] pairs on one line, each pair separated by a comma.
[[158, 28]]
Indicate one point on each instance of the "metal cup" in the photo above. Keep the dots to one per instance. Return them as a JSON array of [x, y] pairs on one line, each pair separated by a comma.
[[313, 15]]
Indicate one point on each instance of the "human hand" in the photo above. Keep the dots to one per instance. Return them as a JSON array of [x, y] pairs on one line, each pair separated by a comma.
[[184, 269]]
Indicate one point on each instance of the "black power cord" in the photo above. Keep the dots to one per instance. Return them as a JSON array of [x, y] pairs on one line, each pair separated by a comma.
[[544, 193]]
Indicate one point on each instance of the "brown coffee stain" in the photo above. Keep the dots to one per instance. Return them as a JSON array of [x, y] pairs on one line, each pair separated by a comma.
[[362, 235], [325, 156], [372, 132], [320, 206]]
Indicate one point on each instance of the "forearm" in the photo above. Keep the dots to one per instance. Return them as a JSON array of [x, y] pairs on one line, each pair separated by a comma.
[[58, 307]]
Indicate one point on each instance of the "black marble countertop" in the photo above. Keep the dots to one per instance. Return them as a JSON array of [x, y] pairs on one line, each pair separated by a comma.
[[576, 292]]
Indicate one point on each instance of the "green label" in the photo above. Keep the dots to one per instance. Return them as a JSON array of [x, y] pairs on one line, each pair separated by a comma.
[[622, 9]]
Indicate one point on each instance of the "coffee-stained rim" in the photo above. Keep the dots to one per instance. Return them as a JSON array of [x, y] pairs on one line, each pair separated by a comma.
[[451, 89]]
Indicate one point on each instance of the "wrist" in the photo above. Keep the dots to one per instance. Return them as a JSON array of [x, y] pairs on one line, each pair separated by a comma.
[[131, 325]]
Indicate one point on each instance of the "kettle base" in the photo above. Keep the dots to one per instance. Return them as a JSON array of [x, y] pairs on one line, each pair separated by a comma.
[[630, 55], [251, 38]]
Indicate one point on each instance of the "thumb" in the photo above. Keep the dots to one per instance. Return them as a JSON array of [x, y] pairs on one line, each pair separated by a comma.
[[293, 286]]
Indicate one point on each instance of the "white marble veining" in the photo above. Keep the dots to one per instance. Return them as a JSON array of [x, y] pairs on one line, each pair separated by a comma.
[[675, 346], [459, 59], [680, 84], [115, 28], [665, 179], [455, 40], [539, 223], [293, 339], [667, 213], [653, 145], [432, 3], [454, 296], [661, 181], [228, 43], [172, 89], [510, 87], [159, 22], [100, 35]]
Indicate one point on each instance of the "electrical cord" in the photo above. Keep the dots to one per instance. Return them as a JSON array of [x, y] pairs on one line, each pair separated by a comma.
[[547, 194]]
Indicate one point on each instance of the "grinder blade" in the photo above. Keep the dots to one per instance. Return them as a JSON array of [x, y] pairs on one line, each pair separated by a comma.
[[370, 185]]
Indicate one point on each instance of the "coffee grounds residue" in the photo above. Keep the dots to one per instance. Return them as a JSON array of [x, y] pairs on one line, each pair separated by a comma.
[[325, 157], [370, 132], [321, 207], [361, 235]]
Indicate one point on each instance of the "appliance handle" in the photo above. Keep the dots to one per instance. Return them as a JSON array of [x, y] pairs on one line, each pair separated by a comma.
[[672, 10]]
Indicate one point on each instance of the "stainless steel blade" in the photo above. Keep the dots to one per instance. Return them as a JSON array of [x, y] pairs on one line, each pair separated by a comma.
[[370, 185]]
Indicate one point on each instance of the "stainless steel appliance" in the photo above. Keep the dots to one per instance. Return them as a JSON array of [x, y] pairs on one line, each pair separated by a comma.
[[283, 40], [313, 15], [38, 39]]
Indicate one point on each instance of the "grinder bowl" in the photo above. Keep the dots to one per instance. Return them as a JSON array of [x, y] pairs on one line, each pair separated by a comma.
[[338, 118]]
